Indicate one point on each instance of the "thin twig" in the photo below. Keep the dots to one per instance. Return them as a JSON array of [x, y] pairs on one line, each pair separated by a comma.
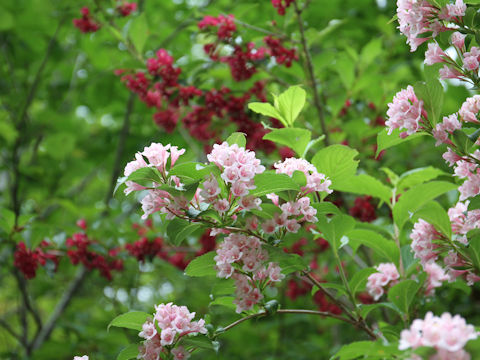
[[289, 311], [311, 74], [9, 329]]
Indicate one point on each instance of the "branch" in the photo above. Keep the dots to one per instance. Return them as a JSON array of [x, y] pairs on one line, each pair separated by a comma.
[[311, 74], [62, 304], [8, 328], [290, 311]]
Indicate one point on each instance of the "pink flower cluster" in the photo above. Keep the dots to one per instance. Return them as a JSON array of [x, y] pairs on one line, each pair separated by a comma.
[[245, 254], [239, 167], [315, 180], [405, 112], [447, 334], [387, 275], [157, 156], [445, 128], [293, 213], [225, 25], [422, 245], [465, 169], [416, 18], [170, 323], [469, 109]]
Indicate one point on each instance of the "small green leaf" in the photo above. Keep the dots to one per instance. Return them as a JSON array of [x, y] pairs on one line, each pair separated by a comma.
[[178, 230], [416, 197], [288, 262], [138, 32], [381, 246], [130, 352], [267, 109], [193, 171], [131, 320], [270, 182], [226, 301], [366, 309], [145, 176], [297, 139], [203, 265], [326, 208], [291, 102], [336, 228], [463, 142], [337, 162], [237, 138], [385, 141], [403, 293], [418, 176], [359, 279]]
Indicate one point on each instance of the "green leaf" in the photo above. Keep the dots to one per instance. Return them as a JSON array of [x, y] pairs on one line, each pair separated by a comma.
[[130, 352], [433, 213], [370, 51], [7, 220], [193, 171], [337, 162], [178, 230], [288, 262], [382, 247], [237, 138], [366, 309], [345, 67], [203, 265], [416, 197], [359, 279], [365, 185], [291, 102], [131, 320], [138, 32], [226, 301], [296, 139], [7, 21], [367, 350], [326, 208], [145, 176], [403, 293], [198, 342], [463, 142], [418, 176], [474, 203], [385, 141], [473, 250], [267, 109], [270, 182], [299, 178], [431, 92], [336, 228]]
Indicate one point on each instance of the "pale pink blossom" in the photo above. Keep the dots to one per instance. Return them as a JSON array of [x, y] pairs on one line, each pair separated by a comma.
[[180, 353], [470, 108], [315, 180], [443, 129], [458, 40], [436, 276], [405, 112], [387, 275], [422, 245], [221, 206], [444, 333], [452, 11], [447, 72], [148, 330], [434, 54], [84, 357], [451, 157]]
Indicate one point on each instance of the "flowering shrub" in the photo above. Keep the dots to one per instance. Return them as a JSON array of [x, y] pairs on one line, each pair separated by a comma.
[[280, 178]]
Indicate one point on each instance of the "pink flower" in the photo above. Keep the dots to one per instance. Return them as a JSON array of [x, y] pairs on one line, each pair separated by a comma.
[[470, 108], [434, 54], [452, 11], [405, 111], [470, 63], [458, 40], [448, 73], [387, 275], [221, 206], [180, 353], [84, 357], [422, 236], [446, 334], [148, 330], [436, 275], [448, 126]]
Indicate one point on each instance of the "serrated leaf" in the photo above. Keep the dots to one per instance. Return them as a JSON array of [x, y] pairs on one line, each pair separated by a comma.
[[336, 228], [382, 247], [267, 109], [418, 176], [138, 32], [359, 279], [131, 320], [270, 182], [237, 138], [337, 162], [291, 102], [203, 265], [416, 197], [296, 139], [130, 352], [385, 141], [288, 262], [326, 208], [365, 184], [403, 293]]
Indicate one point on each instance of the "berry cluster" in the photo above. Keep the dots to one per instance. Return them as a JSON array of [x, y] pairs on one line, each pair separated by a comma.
[[86, 23], [27, 261]]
